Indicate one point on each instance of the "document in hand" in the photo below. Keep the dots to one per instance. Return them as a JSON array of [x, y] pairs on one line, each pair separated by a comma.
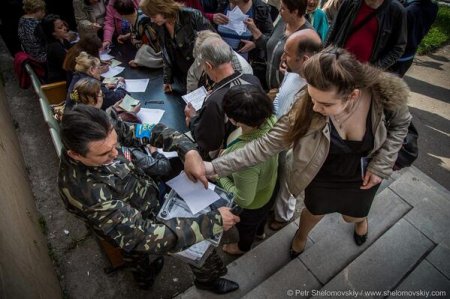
[[194, 194], [150, 116], [196, 97], [128, 103], [174, 206], [136, 85], [236, 20]]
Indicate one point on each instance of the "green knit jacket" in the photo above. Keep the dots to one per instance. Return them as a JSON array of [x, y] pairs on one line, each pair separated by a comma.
[[253, 186]]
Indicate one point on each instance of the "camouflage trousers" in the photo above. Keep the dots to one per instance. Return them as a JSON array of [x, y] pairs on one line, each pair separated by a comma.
[[144, 271]]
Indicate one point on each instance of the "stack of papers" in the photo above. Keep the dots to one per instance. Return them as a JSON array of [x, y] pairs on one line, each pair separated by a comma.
[[194, 194], [128, 103], [236, 20], [136, 85], [150, 116], [196, 97]]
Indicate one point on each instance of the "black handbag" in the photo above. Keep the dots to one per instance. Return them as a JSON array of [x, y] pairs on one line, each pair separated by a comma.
[[409, 150]]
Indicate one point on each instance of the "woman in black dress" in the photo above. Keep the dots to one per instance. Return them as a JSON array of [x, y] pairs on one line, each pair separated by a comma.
[[343, 144]]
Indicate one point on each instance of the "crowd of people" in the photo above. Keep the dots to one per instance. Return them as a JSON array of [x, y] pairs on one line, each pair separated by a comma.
[[308, 98]]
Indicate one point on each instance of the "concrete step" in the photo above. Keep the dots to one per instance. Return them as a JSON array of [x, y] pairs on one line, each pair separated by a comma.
[[334, 247], [397, 245], [383, 265], [255, 266], [332, 250]]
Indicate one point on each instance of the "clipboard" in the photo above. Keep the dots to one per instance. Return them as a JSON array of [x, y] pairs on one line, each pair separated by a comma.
[[174, 206]]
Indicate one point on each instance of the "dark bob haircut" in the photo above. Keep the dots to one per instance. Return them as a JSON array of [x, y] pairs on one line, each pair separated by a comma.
[[247, 104]]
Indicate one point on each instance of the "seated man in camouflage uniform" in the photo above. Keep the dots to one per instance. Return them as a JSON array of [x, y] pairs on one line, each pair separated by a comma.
[[120, 202]]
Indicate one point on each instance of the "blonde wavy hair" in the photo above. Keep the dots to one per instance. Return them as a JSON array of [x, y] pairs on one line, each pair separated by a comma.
[[86, 91], [84, 62], [32, 6], [167, 8]]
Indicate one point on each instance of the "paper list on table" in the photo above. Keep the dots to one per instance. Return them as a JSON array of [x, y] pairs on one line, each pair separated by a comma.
[[194, 194]]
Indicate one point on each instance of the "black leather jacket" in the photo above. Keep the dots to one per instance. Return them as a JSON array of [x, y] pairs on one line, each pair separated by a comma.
[[177, 52], [391, 38]]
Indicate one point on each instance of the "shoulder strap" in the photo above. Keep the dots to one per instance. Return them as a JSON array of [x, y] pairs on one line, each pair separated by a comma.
[[364, 21]]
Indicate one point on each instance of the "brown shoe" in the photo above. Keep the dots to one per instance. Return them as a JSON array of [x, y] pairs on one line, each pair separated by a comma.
[[277, 225]]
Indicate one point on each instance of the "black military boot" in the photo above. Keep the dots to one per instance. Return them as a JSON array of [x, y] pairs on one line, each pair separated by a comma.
[[145, 280], [218, 286]]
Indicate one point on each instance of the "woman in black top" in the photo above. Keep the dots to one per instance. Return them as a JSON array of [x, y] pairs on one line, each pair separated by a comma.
[[177, 28], [56, 34]]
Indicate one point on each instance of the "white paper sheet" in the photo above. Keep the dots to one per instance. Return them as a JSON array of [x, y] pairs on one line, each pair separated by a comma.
[[128, 103], [136, 85], [236, 20], [113, 71], [114, 63], [196, 251], [196, 97], [150, 116], [168, 155], [194, 194], [105, 57]]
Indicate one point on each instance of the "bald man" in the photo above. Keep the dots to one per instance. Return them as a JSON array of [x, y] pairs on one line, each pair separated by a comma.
[[298, 48]]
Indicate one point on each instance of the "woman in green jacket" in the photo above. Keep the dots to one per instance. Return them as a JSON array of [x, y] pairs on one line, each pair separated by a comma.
[[248, 108]]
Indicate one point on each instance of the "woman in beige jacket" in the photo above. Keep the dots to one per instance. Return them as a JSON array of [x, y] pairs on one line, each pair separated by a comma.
[[342, 144]]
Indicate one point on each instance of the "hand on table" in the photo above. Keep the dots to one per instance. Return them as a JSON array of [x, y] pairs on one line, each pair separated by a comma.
[[370, 180], [228, 218], [133, 63], [194, 168], [105, 45]]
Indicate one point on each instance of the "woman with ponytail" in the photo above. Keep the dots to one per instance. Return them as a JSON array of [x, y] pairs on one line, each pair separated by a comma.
[[343, 139]]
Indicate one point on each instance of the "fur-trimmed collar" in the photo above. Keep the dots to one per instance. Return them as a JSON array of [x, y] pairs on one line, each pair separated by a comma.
[[390, 91]]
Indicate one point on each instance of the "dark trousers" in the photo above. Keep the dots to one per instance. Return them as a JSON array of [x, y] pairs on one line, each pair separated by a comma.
[[144, 273], [252, 223], [401, 67]]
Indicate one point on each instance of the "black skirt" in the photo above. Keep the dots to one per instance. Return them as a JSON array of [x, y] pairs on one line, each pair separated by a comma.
[[336, 188]]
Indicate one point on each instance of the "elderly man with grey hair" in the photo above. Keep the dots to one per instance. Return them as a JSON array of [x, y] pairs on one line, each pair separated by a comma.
[[196, 76], [209, 126]]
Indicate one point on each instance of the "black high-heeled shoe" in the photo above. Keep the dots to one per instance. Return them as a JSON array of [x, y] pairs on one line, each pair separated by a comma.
[[292, 253], [361, 239]]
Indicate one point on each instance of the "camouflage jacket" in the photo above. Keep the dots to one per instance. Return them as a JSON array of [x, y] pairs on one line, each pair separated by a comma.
[[121, 202]]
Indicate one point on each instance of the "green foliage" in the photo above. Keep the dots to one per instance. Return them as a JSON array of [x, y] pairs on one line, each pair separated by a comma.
[[439, 33]]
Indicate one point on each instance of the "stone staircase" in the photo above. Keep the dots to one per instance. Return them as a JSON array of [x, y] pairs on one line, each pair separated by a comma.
[[408, 249]]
